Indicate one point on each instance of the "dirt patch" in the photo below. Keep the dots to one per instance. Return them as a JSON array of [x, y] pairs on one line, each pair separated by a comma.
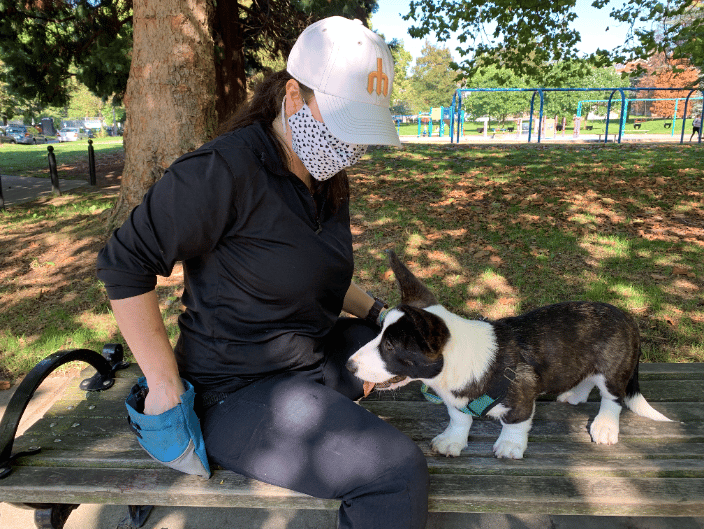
[[108, 169]]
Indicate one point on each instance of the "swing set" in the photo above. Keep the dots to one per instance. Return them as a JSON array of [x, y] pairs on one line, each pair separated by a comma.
[[456, 108]]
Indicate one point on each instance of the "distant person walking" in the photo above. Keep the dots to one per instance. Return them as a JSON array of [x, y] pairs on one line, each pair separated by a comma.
[[696, 126]]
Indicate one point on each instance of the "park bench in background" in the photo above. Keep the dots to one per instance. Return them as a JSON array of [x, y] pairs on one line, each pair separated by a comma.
[[638, 122], [89, 455], [613, 135]]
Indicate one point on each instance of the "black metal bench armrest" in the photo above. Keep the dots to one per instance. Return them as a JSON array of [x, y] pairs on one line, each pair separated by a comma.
[[106, 365]]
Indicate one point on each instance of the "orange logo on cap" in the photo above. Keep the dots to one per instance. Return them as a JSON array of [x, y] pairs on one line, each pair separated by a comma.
[[382, 81]]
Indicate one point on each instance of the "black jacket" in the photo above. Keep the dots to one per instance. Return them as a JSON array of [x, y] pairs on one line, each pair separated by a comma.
[[265, 276]]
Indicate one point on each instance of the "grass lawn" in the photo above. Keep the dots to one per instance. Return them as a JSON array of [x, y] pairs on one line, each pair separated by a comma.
[[493, 230], [31, 160]]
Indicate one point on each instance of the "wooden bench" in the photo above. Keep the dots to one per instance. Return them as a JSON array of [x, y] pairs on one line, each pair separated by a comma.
[[612, 134], [638, 122], [89, 455]]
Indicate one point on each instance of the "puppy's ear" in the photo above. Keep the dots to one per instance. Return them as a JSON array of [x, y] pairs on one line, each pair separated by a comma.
[[413, 292]]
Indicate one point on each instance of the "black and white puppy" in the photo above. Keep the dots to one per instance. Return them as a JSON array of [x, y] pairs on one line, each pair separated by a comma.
[[564, 349]]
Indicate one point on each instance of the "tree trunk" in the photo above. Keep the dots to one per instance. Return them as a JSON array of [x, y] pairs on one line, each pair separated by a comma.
[[170, 96], [230, 75]]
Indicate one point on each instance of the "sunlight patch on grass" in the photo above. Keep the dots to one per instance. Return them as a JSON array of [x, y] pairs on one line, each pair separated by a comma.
[[492, 296], [602, 247], [632, 298], [413, 244], [585, 219]]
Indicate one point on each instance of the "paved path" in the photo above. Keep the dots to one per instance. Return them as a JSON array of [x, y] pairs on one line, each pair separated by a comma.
[[18, 189]]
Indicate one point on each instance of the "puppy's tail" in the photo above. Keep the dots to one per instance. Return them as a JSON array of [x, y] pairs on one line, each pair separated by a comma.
[[636, 402]]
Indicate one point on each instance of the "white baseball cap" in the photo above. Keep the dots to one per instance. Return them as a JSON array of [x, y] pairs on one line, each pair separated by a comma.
[[351, 71]]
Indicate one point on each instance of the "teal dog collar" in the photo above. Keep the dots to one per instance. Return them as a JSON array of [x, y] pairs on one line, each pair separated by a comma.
[[481, 406]]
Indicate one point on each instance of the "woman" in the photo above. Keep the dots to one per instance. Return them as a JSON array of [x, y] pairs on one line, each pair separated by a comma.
[[259, 217]]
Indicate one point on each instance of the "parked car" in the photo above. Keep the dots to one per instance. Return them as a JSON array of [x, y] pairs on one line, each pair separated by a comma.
[[72, 134], [4, 138], [26, 135]]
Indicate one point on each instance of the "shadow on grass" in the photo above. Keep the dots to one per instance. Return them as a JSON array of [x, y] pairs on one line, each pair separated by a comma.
[[503, 229], [493, 230]]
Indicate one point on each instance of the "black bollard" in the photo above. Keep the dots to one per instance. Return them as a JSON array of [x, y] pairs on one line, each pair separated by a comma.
[[2, 198], [53, 172], [91, 162]]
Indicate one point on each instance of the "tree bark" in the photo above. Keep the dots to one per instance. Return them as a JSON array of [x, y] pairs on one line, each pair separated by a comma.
[[170, 96], [230, 75]]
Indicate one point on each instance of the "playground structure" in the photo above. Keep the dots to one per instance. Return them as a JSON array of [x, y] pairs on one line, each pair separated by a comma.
[[456, 109], [439, 116]]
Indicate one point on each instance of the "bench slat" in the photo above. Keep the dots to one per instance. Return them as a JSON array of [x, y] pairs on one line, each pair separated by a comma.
[[450, 492], [123, 450], [554, 422]]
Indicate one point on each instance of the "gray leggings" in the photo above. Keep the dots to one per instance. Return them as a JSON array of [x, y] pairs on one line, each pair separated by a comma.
[[304, 432]]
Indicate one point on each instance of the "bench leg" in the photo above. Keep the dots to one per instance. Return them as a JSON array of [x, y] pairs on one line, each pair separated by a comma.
[[136, 518], [52, 516]]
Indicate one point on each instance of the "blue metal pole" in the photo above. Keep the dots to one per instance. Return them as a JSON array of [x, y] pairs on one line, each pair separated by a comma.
[[623, 107], [540, 123], [674, 119], [530, 120], [452, 117]]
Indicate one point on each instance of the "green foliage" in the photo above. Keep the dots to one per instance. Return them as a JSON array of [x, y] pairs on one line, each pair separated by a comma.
[[525, 36], [268, 39], [403, 92], [8, 103], [432, 77], [50, 46], [565, 103], [45, 44], [496, 104]]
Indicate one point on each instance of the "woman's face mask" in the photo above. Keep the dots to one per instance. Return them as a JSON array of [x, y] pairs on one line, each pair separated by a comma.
[[321, 153]]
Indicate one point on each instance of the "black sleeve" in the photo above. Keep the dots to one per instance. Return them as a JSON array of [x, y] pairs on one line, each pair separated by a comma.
[[182, 216]]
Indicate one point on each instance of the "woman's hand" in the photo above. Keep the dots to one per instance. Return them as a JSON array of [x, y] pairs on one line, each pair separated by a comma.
[[163, 396]]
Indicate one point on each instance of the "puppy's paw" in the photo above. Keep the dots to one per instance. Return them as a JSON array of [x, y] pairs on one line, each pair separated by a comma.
[[448, 445], [572, 397], [508, 449], [604, 430]]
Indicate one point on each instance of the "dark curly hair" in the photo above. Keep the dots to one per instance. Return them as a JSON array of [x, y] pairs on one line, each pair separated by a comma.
[[263, 107]]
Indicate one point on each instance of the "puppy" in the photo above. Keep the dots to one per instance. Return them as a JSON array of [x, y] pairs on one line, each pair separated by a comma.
[[564, 349]]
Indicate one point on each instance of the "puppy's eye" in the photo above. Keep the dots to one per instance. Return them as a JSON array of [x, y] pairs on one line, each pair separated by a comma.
[[387, 346]]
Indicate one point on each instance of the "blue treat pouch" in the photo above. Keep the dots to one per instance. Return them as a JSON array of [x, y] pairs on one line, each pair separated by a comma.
[[173, 438]]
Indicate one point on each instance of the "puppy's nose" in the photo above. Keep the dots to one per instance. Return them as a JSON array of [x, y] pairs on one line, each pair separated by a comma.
[[351, 366]]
